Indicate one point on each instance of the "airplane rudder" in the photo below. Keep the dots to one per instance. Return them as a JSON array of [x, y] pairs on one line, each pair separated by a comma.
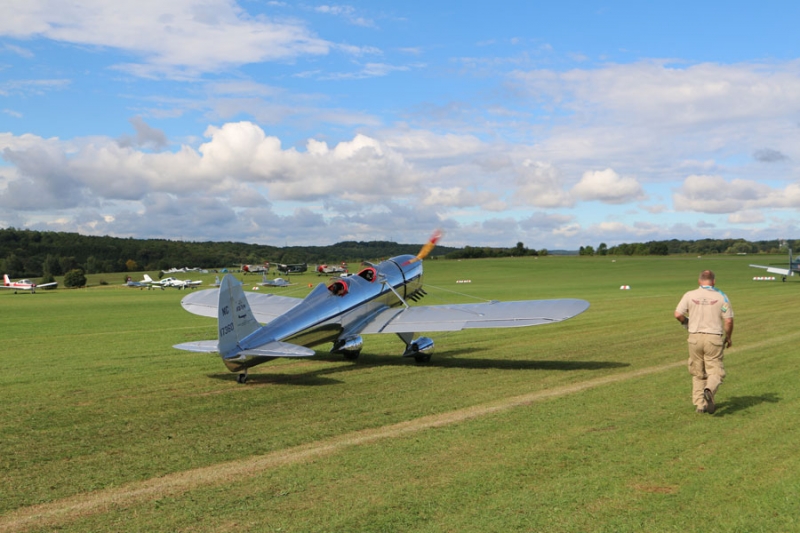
[[227, 330], [236, 320], [243, 317]]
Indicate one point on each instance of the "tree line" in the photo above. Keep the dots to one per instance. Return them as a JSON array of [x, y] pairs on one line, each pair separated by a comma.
[[699, 247], [30, 253], [674, 246]]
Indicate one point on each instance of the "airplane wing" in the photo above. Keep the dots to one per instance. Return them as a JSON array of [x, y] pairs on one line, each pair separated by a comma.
[[773, 270], [474, 316], [265, 307], [45, 285]]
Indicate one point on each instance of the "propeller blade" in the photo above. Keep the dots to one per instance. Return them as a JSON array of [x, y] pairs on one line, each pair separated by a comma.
[[428, 247]]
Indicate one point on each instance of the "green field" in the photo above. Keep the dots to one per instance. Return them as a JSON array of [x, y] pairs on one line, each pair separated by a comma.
[[585, 425]]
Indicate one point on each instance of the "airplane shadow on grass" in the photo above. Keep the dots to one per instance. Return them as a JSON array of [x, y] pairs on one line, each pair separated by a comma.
[[740, 403], [444, 359]]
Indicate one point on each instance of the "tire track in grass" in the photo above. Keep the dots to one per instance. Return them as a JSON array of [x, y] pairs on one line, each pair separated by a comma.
[[87, 504]]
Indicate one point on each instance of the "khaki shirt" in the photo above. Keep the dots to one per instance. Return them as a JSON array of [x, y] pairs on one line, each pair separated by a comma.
[[706, 308]]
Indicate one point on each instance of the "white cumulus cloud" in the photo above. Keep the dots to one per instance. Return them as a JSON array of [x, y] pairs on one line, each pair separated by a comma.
[[609, 187]]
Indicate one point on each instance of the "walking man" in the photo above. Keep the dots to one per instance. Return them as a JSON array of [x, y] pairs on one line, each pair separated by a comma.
[[708, 316]]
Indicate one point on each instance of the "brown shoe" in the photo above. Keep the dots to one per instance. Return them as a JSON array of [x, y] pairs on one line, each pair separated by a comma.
[[710, 406]]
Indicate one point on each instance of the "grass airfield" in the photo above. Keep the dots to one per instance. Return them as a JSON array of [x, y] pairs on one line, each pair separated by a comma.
[[585, 425]]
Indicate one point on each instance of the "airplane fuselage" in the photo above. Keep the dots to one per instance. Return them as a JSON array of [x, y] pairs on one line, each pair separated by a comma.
[[335, 312]]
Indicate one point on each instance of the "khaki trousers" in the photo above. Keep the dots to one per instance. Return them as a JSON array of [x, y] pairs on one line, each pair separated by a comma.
[[705, 365]]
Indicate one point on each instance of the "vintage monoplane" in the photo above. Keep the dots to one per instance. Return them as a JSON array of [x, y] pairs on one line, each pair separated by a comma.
[[25, 285], [375, 300]]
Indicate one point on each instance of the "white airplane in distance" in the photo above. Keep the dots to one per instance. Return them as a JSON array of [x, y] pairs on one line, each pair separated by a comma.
[[25, 285], [277, 282], [172, 282]]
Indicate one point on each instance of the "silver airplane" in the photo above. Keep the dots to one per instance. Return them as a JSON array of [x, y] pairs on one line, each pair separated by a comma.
[[375, 300]]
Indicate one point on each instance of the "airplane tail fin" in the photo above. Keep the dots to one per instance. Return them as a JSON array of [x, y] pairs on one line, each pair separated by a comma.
[[147, 278], [6, 281], [236, 323], [236, 320]]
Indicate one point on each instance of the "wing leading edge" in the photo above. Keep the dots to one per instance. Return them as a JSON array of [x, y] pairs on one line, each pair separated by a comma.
[[475, 316]]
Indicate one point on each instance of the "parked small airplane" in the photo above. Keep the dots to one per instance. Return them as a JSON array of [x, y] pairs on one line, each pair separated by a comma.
[[255, 268], [172, 282], [331, 269], [25, 285], [180, 283], [794, 266], [184, 270], [373, 301], [144, 284], [277, 282], [292, 269]]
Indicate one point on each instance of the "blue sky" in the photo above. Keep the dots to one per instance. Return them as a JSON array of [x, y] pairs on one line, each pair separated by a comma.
[[557, 124]]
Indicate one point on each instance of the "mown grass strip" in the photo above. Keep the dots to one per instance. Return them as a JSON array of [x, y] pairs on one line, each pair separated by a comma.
[[52, 514]]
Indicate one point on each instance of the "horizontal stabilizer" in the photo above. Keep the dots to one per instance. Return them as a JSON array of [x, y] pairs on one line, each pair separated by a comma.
[[271, 349], [773, 270], [781, 271], [198, 346], [279, 349]]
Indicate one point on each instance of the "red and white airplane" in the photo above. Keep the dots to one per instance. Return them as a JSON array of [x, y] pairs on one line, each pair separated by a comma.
[[331, 269], [25, 285]]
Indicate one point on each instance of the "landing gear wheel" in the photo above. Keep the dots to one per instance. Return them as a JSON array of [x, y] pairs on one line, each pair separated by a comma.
[[422, 358], [242, 378], [351, 356]]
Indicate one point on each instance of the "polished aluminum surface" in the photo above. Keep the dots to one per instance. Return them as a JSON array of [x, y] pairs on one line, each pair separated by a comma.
[[373, 301]]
